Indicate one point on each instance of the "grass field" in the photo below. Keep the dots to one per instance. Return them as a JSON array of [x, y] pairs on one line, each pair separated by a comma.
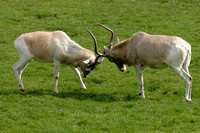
[[111, 102]]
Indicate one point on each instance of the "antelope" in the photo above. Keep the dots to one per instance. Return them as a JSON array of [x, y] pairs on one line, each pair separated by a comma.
[[143, 51], [54, 47]]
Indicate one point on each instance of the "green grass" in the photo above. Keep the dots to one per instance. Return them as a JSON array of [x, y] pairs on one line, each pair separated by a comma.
[[111, 102]]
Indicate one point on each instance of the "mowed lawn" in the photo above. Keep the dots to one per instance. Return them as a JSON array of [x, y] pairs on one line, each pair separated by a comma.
[[111, 102]]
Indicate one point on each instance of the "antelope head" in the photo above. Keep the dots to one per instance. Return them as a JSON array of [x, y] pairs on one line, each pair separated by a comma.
[[108, 50], [90, 66]]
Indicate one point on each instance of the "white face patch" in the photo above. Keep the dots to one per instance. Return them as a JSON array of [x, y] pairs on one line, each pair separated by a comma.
[[123, 69], [87, 61]]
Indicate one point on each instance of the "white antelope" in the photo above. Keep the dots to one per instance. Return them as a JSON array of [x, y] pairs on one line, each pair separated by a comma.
[[143, 50], [54, 47]]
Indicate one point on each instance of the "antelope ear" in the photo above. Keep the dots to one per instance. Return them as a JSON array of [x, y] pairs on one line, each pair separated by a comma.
[[117, 40], [87, 61]]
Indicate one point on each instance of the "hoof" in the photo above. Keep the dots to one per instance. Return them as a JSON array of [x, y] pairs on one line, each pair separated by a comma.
[[55, 91], [22, 90], [84, 87], [187, 100], [143, 96]]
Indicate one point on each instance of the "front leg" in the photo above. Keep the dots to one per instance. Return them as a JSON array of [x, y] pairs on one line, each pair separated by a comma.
[[139, 70], [79, 76]]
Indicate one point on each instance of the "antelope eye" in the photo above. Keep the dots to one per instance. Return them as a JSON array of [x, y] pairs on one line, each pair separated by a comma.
[[89, 66]]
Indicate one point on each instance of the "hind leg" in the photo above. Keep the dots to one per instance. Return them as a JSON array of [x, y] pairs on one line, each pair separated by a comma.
[[188, 80], [189, 84], [18, 69], [56, 75], [185, 67]]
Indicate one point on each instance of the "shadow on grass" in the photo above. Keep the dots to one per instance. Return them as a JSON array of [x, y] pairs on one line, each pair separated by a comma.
[[96, 97], [75, 94]]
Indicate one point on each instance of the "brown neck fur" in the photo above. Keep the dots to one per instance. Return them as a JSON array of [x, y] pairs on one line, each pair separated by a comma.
[[119, 51]]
